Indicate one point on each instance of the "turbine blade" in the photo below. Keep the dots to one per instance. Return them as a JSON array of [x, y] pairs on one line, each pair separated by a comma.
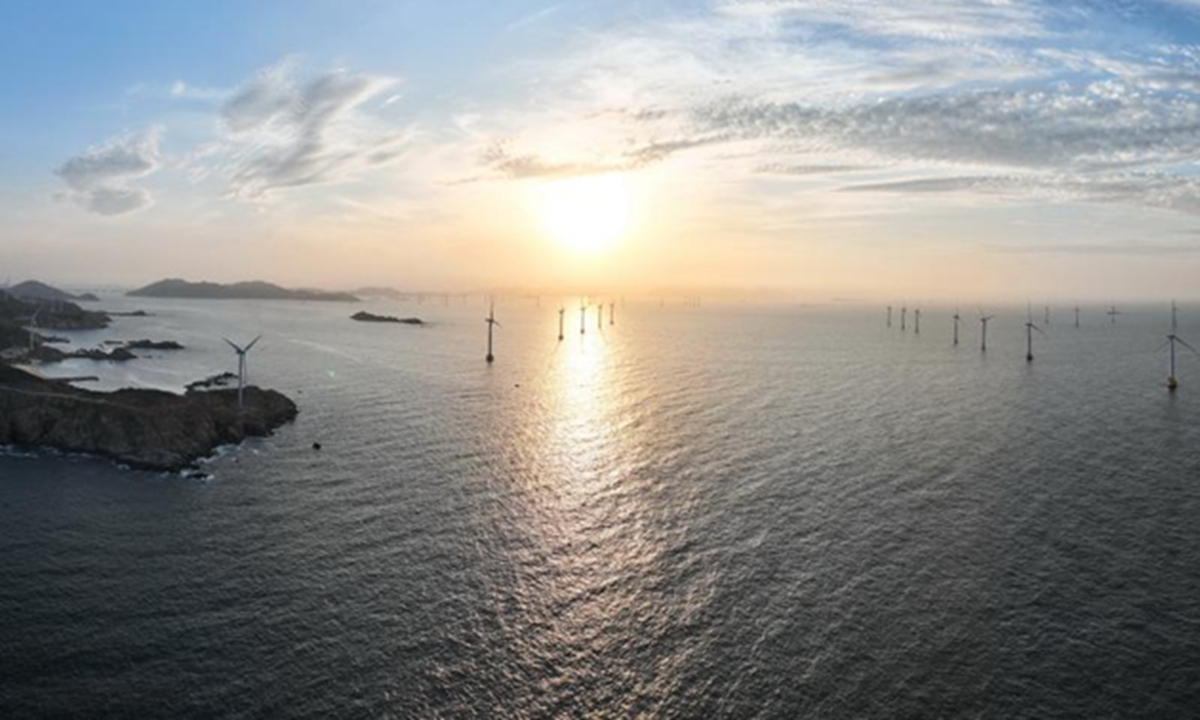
[[1189, 347], [235, 347], [1035, 327], [252, 343], [1164, 345]]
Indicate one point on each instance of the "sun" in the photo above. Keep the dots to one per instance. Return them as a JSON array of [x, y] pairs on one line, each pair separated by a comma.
[[588, 214]]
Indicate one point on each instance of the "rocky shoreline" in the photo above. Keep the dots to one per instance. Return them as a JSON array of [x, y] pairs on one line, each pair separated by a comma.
[[144, 429]]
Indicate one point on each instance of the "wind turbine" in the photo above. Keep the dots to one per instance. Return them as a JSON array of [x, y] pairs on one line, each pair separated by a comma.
[[600, 316], [957, 320], [612, 313], [492, 322], [1029, 328], [983, 320], [917, 321], [241, 353], [1113, 313], [889, 319], [1047, 316], [1172, 383], [1076, 316], [561, 312], [903, 313], [582, 316]]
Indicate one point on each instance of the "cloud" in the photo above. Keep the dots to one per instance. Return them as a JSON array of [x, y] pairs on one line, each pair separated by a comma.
[[98, 179], [923, 19], [284, 134], [1134, 248], [1020, 99]]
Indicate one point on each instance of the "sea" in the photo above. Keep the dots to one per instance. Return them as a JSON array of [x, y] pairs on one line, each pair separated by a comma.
[[688, 511]]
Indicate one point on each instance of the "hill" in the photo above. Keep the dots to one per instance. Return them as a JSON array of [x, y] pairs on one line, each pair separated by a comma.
[[254, 290], [35, 290]]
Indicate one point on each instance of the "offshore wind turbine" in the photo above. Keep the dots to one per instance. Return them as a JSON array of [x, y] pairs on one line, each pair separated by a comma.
[[600, 316], [1076, 316], [491, 323], [957, 320], [983, 320], [1113, 313], [1029, 328], [562, 311], [917, 321], [612, 313], [889, 317], [1047, 320], [34, 326], [1172, 339], [241, 356], [903, 314], [582, 316]]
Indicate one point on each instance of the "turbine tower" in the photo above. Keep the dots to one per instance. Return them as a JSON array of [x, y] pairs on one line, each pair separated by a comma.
[[1172, 339], [1076, 316], [917, 321], [33, 327], [983, 320], [1113, 313], [600, 316], [582, 316], [241, 356], [903, 314], [491, 323], [1029, 328], [562, 311], [612, 313], [1047, 316], [957, 320]]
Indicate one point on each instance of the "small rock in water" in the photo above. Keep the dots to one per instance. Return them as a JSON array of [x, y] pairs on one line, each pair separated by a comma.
[[316, 446]]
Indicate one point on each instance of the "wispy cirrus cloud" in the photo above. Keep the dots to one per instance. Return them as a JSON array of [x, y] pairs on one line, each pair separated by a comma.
[[100, 178], [1025, 90], [283, 133]]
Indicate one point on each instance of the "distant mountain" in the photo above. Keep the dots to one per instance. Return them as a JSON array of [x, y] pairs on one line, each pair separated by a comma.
[[255, 290], [386, 292], [34, 290]]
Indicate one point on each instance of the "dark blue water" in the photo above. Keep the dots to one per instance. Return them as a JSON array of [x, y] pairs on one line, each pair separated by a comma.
[[734, 512]]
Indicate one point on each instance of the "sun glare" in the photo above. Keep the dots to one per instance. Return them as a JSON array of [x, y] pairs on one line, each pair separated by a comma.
[[586, 214]]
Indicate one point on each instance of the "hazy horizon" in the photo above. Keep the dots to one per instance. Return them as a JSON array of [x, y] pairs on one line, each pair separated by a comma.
[[808, 149]]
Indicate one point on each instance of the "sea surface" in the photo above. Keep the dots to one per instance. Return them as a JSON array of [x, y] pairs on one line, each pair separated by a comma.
[[694, 512]]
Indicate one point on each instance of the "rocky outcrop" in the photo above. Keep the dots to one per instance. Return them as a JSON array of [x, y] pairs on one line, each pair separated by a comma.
[[152, 345], [47, 354], [147, 429], [365, 316]]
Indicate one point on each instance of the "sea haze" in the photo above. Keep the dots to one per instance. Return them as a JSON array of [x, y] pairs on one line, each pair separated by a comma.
[[695, 512]]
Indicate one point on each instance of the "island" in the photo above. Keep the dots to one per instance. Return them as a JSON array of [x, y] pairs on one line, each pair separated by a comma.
[[365, 316], [254, 290], [153, 345], [37, 290], [147, 429], [18, 314], [144, 429]]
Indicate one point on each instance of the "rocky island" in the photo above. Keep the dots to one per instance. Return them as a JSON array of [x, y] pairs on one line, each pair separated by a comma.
[[365, 316], [255, 290], [145, 429], [148, 429]]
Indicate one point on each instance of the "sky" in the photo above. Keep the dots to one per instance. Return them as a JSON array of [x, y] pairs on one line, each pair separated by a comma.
[[815, 149]]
